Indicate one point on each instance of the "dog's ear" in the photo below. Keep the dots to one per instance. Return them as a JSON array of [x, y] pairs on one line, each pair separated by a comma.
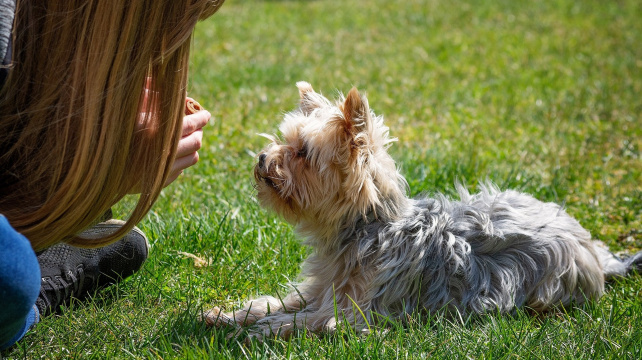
[[309, 98], [356, 113], [304, 88], [360, 186], [355, 107]]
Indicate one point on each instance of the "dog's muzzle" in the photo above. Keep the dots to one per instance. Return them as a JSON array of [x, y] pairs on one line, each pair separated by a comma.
[[261, 172]]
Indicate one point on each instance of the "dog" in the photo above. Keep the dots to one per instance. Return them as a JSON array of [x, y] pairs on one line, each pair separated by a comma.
[[379, 254]]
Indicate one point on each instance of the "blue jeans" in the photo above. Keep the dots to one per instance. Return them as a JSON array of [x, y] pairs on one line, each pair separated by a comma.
[[19, 285]]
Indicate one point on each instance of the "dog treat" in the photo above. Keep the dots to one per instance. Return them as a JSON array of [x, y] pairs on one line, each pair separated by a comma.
[[192, 106]]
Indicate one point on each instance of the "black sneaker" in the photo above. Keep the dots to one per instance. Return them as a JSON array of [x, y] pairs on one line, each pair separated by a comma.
[[71, 272]]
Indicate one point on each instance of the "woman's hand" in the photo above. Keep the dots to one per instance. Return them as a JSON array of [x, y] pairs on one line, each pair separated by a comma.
[[189, 144]]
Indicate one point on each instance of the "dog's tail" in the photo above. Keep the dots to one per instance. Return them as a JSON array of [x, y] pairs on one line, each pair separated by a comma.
[[615, 266]]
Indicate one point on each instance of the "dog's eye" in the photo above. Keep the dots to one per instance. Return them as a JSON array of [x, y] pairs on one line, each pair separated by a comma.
[[303, 151]]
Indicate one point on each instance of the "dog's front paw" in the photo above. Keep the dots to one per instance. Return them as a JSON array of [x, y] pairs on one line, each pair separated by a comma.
[[214, 317], [332, 325]]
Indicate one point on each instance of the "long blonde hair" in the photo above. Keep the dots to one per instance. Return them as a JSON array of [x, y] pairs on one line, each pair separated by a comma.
[[73, 141]]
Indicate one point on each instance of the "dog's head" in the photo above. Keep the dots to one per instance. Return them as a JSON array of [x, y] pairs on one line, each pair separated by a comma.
[[330, 163]]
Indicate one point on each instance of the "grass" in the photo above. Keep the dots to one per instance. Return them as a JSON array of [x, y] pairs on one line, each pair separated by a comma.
[[542, 96]]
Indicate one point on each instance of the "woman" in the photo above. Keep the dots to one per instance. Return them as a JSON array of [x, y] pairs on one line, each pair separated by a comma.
[[90, 110]]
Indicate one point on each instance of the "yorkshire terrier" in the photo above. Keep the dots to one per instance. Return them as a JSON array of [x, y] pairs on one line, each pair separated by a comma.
[[379, 254]]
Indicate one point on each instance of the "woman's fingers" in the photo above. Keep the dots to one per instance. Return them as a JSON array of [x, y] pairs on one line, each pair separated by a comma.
[[195, 122]]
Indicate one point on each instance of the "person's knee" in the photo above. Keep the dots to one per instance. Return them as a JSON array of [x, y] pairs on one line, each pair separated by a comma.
[[19, 274]]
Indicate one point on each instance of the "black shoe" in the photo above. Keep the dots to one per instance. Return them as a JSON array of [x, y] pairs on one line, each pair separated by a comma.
[[70, 272]]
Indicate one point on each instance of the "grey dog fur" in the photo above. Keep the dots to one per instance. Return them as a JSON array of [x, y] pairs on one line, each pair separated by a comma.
[[492, 251]]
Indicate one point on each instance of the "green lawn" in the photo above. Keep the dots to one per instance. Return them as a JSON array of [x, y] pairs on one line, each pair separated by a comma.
[[542, 96]]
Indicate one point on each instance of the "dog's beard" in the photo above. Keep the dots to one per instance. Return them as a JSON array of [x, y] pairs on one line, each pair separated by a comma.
[[267, 174]]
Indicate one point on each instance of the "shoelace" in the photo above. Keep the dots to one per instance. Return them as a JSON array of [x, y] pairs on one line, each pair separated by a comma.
[[69, 288]]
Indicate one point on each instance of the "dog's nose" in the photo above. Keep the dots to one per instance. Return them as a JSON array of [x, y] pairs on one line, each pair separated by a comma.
[[262, 160]]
